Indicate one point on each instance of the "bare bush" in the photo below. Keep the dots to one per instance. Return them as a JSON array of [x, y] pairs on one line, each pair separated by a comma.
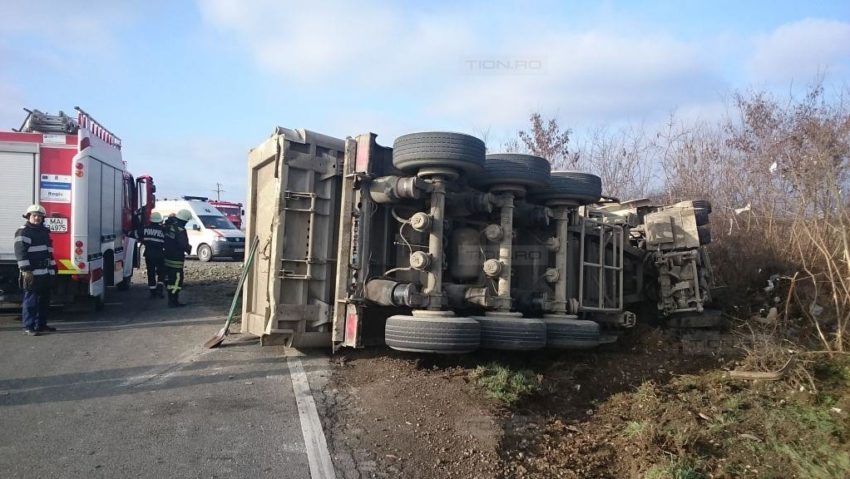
[[620, 157], [546, 139]]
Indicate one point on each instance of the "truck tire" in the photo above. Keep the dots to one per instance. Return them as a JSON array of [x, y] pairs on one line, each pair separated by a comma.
[[204, 253], [514, 169], [704, 234], [696, 204], [571, 333], [125, 284], [438, 150], [583, 188], [108, 269], [512, 334], [432, 335], [701, 217], [99, 301]]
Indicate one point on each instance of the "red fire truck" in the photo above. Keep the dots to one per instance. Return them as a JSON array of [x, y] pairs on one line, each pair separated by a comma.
[[74, 169], [232, 211]]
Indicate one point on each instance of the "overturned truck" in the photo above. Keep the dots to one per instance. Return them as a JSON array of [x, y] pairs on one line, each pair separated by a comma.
[[434, 246]]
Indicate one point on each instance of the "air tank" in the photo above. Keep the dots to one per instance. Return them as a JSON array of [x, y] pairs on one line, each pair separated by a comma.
[[465, 261]]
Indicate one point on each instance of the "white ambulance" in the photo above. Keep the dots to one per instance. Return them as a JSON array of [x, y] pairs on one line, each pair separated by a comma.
[[210, 233]]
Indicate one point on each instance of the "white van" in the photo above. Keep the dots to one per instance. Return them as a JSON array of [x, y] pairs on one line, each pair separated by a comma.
[[210, 233]]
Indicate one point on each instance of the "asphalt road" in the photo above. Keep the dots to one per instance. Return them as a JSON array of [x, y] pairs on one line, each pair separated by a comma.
[[131, 392]]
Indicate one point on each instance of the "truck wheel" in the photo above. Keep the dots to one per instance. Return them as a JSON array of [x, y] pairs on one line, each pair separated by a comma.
[[701, 217], [696, 204], [571, 333], [204, 253], [432, 335], [704, 234], [512, 334], [583, 188], [99, 301], [514, 169], [438, 150], [125, 284]]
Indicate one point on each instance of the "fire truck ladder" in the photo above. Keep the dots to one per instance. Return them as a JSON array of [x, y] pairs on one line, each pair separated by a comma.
[[88, 122]]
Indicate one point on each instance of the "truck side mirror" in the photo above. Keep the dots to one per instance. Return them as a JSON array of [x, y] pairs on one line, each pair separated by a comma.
[[243, 212]]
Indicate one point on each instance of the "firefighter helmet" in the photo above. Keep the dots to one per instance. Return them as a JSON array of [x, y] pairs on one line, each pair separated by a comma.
[[184, 215], [37, 209], [156, 217]]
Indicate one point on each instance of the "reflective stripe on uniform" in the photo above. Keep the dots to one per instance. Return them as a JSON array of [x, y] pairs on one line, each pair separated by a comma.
[[173, 264], [175, 288], [153, 240], [23, 262], [35, 249], [50, 248], [23, 239], [41, 271]]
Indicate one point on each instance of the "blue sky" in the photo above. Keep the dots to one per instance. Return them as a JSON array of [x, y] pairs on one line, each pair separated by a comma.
[[191, 86]]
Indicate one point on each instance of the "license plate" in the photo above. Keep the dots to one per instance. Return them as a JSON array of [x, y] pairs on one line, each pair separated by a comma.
[[238, 250], [57, 225]]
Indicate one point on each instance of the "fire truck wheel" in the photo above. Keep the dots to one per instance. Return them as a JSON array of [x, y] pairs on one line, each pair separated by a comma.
[[512, 334], [204, 253], [438, 150], [571, 333], [99, 301], [583, 188], [125, 284], [514, 169], [432, 335]]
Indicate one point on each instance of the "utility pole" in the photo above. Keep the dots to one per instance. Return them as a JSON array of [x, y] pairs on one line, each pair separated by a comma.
[[218, 191]]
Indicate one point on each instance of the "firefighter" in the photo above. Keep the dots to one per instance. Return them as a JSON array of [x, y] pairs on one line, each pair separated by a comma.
[[176, 248], [153, 237], [34, 253]]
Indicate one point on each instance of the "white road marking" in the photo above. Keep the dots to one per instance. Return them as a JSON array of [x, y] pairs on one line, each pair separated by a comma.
[[318, 456]]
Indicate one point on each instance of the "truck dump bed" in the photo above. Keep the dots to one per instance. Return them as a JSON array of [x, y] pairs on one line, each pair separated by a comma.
[[293, 208]]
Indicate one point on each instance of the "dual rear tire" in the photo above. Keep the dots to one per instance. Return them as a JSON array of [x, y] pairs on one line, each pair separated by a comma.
[[459, 335]]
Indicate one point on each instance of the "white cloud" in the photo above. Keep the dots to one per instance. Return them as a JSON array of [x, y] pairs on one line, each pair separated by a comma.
[[438, 59], [69, 26], [322, 42], [801, 51], [588, 77]]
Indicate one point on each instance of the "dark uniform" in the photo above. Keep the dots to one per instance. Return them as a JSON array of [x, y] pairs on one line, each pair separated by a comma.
[[34, 253], [153, 237], [176, 248]]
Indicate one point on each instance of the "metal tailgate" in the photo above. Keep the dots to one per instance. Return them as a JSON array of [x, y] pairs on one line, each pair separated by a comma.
[[293, 208]]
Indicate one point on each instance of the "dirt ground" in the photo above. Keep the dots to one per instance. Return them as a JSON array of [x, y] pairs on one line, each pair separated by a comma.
[[650, 406], [404, 415]]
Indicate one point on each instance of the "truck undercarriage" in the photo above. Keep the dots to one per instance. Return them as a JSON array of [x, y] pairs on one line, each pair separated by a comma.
[[434, 246]]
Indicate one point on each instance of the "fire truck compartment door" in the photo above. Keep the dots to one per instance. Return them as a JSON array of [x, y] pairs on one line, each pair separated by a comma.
[[18, 183]]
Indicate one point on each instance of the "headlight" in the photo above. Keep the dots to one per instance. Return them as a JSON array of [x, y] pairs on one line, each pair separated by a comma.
[[219, 238]]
